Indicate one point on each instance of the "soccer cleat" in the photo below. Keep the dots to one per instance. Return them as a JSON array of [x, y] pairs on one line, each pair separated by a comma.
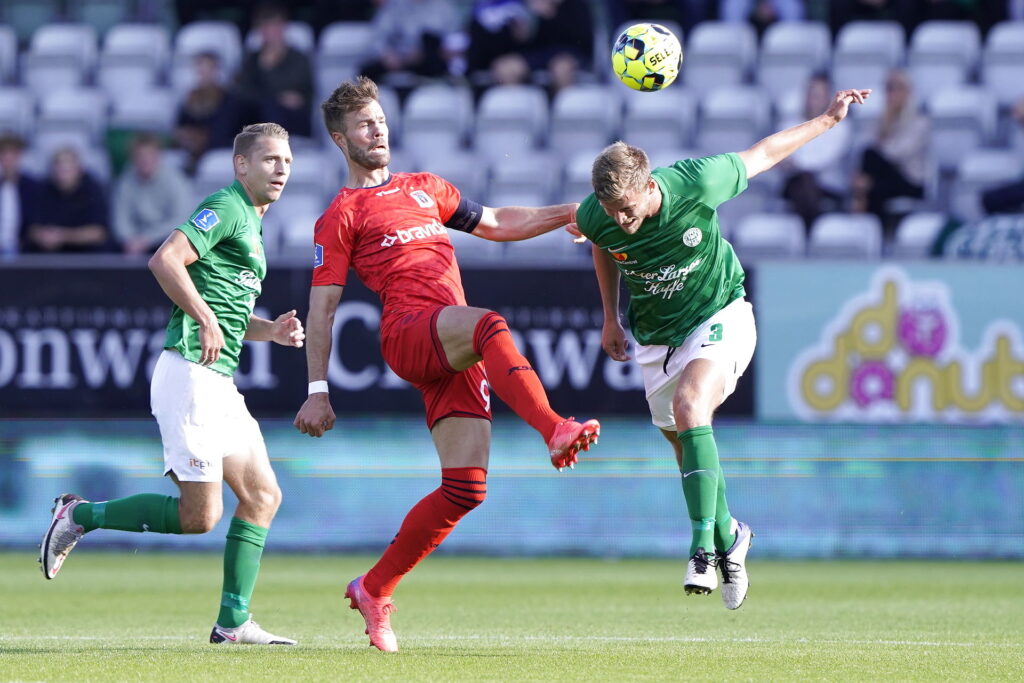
[[700, 574], [61, 536], [376, 613], [249, 633], [569, 438], [733, 565]]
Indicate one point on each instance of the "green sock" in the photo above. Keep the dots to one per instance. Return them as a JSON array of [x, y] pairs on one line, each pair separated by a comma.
[[242, 554], [724, 536], [700, 484], [142, 512]]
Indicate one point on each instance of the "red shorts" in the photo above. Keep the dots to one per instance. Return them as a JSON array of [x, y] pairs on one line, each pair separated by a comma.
[[413, 350]]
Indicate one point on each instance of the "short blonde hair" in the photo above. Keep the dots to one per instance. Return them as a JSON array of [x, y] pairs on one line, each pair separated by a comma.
[[618, 169], [246, 140], [348, 97]]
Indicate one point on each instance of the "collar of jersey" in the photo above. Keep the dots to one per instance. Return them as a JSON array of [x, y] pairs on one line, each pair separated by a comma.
[[239, 189], [666, 200], [373, 187]]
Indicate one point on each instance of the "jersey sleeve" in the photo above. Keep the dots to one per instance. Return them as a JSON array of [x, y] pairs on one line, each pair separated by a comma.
[[211, 223], [447, 197], [588, 216], [711, 180], [332, 249]]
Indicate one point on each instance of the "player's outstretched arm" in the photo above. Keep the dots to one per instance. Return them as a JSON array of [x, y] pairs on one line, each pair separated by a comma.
[[774, 148], [613, 336], [285, 329], [514, 223], [168, 266], [316, 415]]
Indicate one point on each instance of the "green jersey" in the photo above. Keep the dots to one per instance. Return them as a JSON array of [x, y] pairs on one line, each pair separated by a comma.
[[677, 267], [228, 235]]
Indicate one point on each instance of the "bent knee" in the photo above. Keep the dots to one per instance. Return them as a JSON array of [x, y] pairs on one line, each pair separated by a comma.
[[199, 521], [264, 500], [465, 493]]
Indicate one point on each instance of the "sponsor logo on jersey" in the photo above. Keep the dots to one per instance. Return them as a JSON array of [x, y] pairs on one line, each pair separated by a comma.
[[249, 279], [205, 219], [422, 198], [619, 255], [665, 281], [692, 237], [433, 228], [318, 255], [383, 193]]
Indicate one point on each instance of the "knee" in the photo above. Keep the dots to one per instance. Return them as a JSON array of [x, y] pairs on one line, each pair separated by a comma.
[[468, 493], [199, 519], [264, 500], [690, 411]]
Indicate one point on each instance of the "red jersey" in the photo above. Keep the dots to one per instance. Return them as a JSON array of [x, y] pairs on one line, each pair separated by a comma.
[[394, 236]]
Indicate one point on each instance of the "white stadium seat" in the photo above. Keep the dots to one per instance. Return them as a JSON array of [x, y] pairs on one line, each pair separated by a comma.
[[291, 220], [60, 56], [74, 110], [523, 180], [145, 48], [659, 119], [462, 169], [718, 54], [584, 117], [576, 179], [963, 119], [791, 51], [769, 235], [916, 234], [846, 235], [865, 52], [981, 170], [471, 250], [943, 53], [17, 111], [8, 53], [436, 120], [214, 169], [1003, 61], [343, 46], [152, 109], [510, 120], [732, 119], [219, 37]]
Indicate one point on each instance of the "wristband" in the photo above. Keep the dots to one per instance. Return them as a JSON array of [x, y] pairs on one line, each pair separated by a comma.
[[318, 387]]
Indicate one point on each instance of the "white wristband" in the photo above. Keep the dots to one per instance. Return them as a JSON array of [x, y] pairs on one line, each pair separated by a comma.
[[318, 387]]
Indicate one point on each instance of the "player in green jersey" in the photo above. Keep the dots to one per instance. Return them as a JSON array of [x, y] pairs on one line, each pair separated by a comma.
[[211, 267], [658, 230]]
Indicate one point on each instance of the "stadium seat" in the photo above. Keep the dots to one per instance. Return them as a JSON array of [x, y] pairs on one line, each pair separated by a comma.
[[151, 109], [718, 54], [864, 53], [732, 119], [732, 212], [8, 53], [73, 110], [845, 235], [297, 34], [662, 119], [17, 111], [584, 117], [214, 170], [554, 248], [308, 176], [220, 37], [471, 250], [790, 52], [436, 120], [60, 56], [102, 15], [95, 160], [769, 235], [1003, 61], [510, 120], [666, 156], [980, 170], [460, 168], [343, 46], [943, 53], [916, 234], [963, 119], [576, 176], [523, 180], [292, 218], [25, 17], [143, 46]]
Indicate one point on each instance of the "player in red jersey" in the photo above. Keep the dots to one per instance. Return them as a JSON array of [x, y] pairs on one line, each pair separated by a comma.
[[392, 229]]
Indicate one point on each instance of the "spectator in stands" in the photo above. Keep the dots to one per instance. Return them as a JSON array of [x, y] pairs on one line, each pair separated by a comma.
[[498, 33], [275, 82], [1007, 198], [71, 215], [686, 13], [816, 182], [894, 164], [18, 195], [761, 13], [209, 117], [150, 199], [414, 38]]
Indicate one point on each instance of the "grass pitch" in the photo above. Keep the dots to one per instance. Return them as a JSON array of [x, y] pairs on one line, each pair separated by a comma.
[[118, 616]]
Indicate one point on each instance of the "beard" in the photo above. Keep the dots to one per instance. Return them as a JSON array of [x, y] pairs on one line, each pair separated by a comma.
[[369, 160]]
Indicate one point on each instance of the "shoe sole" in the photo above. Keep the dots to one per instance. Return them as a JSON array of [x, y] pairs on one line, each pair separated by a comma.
[[698, 590]]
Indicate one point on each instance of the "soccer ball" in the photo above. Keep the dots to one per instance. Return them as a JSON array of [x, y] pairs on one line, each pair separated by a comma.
[[647, 57]]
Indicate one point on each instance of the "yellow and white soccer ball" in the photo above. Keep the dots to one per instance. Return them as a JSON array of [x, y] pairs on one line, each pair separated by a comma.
[[647, 57]]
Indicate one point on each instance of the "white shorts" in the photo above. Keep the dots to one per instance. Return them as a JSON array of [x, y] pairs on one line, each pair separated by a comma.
[[727, 338], [202, 418]]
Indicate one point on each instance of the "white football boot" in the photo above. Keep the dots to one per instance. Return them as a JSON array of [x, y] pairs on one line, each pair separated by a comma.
[[700, 574], [249, 633], [733, 565], [61, 536]]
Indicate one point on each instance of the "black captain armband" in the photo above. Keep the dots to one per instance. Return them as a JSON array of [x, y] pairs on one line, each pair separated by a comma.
[[466, 217]]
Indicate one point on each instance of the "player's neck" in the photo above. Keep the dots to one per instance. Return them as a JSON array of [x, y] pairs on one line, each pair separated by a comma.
[[359, 176]]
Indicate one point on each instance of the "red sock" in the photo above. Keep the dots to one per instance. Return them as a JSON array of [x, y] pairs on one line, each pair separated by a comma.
[[428, 523], [511, 376]]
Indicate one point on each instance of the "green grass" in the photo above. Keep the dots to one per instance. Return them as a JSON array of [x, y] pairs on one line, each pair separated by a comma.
[[121, 616]]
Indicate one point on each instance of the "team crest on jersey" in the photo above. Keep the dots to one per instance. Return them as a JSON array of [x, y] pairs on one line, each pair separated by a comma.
[[692, 237], [205, 219], [318, 255], [422, 198]]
